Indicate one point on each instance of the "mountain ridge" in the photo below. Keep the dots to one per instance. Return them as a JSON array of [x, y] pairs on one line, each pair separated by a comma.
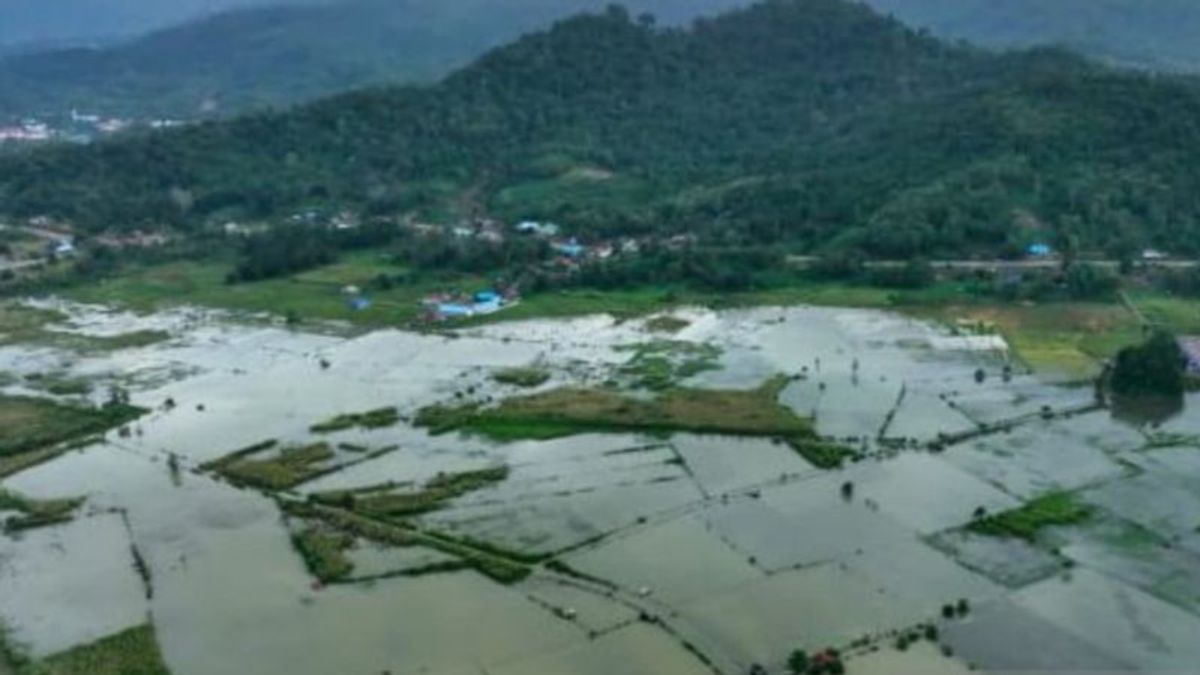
[[276, 56], [811, 123]]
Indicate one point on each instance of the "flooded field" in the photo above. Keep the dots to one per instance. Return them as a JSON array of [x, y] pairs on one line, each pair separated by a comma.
[[277, 509]]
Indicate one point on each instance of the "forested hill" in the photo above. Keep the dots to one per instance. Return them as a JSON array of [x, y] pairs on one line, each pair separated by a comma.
[[814, 123], [1156, 34], [280, 55]]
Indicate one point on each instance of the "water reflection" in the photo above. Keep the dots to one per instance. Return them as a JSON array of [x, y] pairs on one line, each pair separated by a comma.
[[1146, 411]]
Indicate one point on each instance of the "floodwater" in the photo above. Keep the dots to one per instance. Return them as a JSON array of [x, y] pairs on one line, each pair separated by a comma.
[[738, 550]]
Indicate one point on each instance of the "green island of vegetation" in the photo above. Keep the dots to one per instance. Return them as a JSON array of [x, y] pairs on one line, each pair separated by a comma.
[[666, 324], [34, 513], [58, 384], [323, 551], [380, 514], [567, 412], [1056, 508], [372, 419], [290, 466], [527, 378], [35, 430], [131, 652], [661, 364], [387, 503]]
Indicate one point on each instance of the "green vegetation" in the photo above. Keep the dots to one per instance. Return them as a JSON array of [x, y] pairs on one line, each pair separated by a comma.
[[812, 124], [324, 553], [59, 384], [347, 521], [661, 364], [1067, 338], [20, 324], [522, 377], [289, 467], [1056, 508], [567, 412], [370, 513], [315, 295], [131, 340], [31, 426], [372, 419], [666, 324], [432, 496], [132, 652], [34, 513], [1155, 367]]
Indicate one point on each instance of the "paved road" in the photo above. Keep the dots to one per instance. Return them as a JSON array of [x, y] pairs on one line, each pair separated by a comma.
[[993, 265]]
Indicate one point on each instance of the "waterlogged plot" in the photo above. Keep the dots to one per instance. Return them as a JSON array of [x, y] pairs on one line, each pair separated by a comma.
[[1163, 501], [1001, 636], [814, 608], [1041, 456], [1126, 551], [611, 548], [1011, 562], [579, 602], [634, 650], [69, 585], [722, 464], [1133, 626], [673, 563], [925, 492]]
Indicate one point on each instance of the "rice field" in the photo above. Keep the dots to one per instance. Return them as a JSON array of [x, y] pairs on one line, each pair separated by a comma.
[[515, 497]]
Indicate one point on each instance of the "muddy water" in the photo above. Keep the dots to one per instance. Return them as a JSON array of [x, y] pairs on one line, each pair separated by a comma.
[[743, 548]]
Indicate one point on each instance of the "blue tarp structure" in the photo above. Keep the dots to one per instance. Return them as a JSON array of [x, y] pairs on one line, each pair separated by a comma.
[[359, 304], [571, 250], [487, 297], [1039, 250], [454, 310]]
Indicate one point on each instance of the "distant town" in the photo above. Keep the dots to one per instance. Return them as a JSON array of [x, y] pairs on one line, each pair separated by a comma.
[[73, 127]]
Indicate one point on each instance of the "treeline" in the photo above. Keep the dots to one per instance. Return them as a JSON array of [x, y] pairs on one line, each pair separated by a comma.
[[815, 124]]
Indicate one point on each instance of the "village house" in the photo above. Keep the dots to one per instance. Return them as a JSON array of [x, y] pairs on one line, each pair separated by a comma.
[[1190, 345], [538, 229]]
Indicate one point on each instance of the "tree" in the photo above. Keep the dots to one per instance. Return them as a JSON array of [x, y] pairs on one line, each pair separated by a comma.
[[1155, 367], [798, 662]]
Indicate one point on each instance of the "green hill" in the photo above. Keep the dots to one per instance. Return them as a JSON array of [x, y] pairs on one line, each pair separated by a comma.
[[812, 123], [277, 56]]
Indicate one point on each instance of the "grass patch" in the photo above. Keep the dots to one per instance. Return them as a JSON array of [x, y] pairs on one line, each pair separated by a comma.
[[34, 513], [132, 652], [567, 412], [312, 295], [324, 553], [522, 377], [372, 419], [290, 466], [20, 323], [1067, 338], [31, 428], [1056, 508]]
